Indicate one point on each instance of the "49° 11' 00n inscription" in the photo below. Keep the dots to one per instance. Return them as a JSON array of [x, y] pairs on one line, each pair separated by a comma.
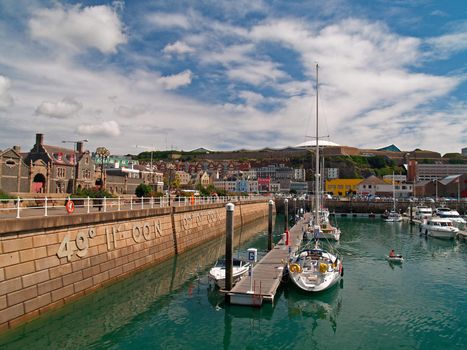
[[80, 246]]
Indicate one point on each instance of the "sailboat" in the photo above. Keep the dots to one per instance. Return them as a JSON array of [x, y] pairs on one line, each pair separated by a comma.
[[393, 215], [315, 269]]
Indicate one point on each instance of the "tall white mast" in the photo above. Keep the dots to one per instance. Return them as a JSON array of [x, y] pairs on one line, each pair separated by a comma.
[[317, 156]]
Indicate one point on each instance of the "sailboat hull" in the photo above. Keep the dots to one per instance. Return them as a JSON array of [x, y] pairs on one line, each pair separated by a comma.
[[315, 270]]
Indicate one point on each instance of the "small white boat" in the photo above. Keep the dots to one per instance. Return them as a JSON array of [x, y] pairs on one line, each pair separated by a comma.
[[217, 273], [315, 270], [392, 216], [395, 258], [439, 228]]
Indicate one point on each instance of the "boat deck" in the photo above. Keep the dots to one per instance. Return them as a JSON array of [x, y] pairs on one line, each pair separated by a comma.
[[267, 273]]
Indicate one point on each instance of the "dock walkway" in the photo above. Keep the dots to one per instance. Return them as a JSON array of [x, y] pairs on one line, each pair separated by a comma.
[[267, 273]]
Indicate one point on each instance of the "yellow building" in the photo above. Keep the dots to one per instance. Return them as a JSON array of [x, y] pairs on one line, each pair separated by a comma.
[[341, 187]]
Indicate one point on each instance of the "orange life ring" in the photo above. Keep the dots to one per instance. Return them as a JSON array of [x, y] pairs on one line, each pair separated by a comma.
[[70, 207]]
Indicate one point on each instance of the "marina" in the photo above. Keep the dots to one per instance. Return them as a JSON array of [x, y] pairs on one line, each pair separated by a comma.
[[418, 304]]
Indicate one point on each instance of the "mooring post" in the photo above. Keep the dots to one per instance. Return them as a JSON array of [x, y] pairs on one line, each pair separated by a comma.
[[271, 205], [286, 213], [411, 212], [229, 232]]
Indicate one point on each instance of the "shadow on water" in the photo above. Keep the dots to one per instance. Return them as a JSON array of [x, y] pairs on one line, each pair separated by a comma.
[[104, 313], [324, 306]]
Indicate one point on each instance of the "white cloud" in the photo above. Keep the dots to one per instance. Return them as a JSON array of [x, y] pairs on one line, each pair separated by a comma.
[[60, 110], [178, 47], [251, 98], [172, 82], [108, 128], [446, 45], [5, 99], [168, 20], [79, 28], [256, 73]]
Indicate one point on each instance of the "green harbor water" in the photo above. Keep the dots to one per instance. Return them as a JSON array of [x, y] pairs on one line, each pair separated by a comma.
[[421, 304]]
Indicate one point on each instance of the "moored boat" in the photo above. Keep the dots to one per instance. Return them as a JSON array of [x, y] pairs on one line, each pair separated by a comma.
[[392, 216], [452, 215], [315, 270], [439, 228], [217, 273]]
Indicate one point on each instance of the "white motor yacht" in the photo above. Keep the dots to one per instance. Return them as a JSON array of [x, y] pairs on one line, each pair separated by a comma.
[[217, 273], [452, 215], [423, 213], [439, 228]]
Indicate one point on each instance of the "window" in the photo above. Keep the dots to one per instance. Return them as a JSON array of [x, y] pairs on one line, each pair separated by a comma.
[[10, 163], [61, 173]]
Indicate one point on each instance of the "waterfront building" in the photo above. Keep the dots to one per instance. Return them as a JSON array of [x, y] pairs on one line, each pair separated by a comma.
[[452, 186], [264, 184], [342, 187], [14, 172], [59, 170], [426, 172], [371, 186]]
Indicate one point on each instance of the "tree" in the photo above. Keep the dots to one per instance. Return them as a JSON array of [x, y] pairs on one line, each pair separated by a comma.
[[143, 190]]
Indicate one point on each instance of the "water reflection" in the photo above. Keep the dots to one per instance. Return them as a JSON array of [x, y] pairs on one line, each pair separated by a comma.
[[90, 319], [315, 307]]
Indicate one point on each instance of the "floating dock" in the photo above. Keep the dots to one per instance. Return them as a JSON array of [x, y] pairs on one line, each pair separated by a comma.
[[267, 273]]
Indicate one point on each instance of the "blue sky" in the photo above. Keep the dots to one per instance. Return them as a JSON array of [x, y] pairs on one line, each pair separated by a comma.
[[233, 74]]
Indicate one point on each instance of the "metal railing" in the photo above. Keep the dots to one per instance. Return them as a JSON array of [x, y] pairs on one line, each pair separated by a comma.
[[44, 206]]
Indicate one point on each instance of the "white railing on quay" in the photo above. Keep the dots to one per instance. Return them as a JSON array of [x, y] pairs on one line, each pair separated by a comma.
[[45, 206]]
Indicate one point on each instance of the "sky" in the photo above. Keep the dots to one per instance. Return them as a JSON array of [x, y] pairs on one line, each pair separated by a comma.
[[226, 75]]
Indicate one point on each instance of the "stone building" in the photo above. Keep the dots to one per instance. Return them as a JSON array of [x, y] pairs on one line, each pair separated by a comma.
[[14, 172], [59, 170]]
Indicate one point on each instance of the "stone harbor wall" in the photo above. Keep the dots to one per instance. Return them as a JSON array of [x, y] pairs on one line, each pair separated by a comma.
[[49, 261]]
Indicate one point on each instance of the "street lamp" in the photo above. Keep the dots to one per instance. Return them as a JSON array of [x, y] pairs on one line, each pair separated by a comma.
[[75, 166], [102, 153]]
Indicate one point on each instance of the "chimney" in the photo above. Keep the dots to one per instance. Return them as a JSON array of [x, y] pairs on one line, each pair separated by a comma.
[[39, 140], [79, 147], [17, 149]]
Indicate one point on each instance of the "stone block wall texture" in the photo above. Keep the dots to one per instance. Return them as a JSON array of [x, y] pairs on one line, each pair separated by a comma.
[[47, 262]]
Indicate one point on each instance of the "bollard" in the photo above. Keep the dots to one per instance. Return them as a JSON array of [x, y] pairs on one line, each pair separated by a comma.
[[118, 203], [229, 232], [45, 207], [152, 202], [286, 213], [142, 202], [131, 202], [105, 204], [89, 204], [271, 205]]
